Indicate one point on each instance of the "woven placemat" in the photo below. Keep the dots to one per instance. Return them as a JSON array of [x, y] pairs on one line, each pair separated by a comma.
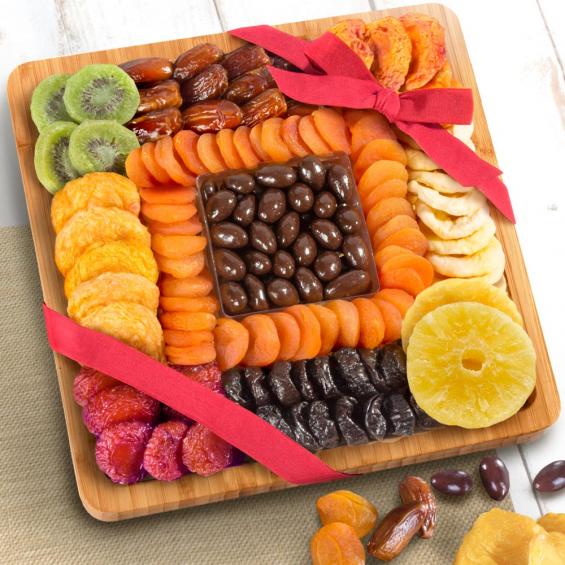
[[41, 516]]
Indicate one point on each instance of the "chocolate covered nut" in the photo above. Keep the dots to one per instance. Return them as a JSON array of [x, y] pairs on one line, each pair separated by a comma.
[[304, 249], [220, 205], [229, 235], [244, 212], [348, 284], [325, 204], [272, 205], [328, 266], [287, 229], [348, 219], [355, 251], [300, 197], [258, 263], [312, 172], [262, 237], [340, 183], [256, 292], [229, 265], [282, 292], [234, 298], [309, 286], [326, 234], [276, 176], [241, 183], [452, 482], [283, 264], [495, 477]]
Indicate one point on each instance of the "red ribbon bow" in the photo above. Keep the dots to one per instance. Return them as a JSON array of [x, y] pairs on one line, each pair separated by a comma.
[[333, 75]]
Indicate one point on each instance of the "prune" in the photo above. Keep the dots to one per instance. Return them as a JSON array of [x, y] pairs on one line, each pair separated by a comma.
[[309, 286], [340, 183], [220, 205], [392, 364], [210, 83], [244, 59], [273, 415], [195, 60], [349, 370], [299, 376], [89, 382], [321, 425], [256, 292], [296, 418], [257, 384], [272, 205], [236, 390], [211, 116], [348, 284], [119, 451], [452, 482], [423, 421], [312, 172], [157, 124], [164, 94], [320, 374], [369, 357], [281, 384], [399, 415], [372, 417], [268, 104], [148, 70], [551, 478], [249, 85], [204, 453], [163, 453], [342, 412], [495, 477]]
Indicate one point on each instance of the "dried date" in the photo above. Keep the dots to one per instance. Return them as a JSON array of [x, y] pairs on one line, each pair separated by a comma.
[[162, 95], [249, 85], [212, 116], [211, 83], [148, 70], [195, 60], [245, 59], [154, 125], [268, 104], [415, 489]]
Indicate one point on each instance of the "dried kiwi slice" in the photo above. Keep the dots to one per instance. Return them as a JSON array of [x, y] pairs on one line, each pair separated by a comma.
[[101, 92], [101, 145], [47, 101], [52, 162]]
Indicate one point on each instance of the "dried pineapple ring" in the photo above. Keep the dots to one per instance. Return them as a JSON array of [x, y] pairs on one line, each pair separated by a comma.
[[131, 323], [123, 256], [488, 260], [94, 189], [547, 548], [446, 227], [441, 182], [463, 132], [419, 161], [463, 246], [498, 537], [470, 365], [452, 204], [94, 227], [112, 287], [449, 291], [491, 277]]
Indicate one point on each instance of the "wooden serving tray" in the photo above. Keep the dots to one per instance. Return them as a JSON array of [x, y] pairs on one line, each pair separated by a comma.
[[108, 502]]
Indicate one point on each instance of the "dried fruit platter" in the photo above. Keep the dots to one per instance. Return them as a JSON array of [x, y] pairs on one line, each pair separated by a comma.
[[109, 502]]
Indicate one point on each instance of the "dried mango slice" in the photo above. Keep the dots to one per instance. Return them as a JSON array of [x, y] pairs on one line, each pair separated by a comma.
[[353, 32]]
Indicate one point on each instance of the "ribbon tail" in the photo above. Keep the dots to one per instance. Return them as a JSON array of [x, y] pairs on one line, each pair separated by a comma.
[[236, 425], [437, 106]]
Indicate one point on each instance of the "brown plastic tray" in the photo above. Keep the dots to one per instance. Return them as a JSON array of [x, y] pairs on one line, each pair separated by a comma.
[[338, 158]]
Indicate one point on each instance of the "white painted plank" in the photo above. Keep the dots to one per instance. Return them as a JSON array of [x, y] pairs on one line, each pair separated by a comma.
[[553, 12]]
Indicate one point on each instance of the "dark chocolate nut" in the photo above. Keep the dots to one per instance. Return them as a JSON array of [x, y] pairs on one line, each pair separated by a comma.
[[227, 234], [342, 412], [282, 292], [327, 234], [258, 263], [209, 187], [355, 251], [551, 477], [321, 425], [305, 249], [229, 265], [220, 205], [340, 182], [348, 284], [235, 390], [348, 219], [312, 172], [234, 298], [400, 418], [275, 176], [262, 237], [309, 286], [328, 266], [283, 264], [288, 229], [256, 292], [272, 205], [495, 477], [241, 183], [325, 204], [300, 197], [452, 482], [244, 212], [281, 384]]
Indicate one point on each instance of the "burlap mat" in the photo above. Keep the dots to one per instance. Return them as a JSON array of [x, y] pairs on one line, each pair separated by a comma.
[[41, 516]]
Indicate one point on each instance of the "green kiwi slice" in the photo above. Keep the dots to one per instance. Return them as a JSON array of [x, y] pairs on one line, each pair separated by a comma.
[[101, 145], [47, 101], [52, 163], [101, 92]]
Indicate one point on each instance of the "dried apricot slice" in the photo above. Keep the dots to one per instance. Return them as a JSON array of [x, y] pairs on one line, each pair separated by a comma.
[[393, 188], [310, 334], [191, 287], [244, 148], [384, 254], [209, 153], [264, 343], [371, 323], [398, 298], [168, 213], [311, 137], [379, 172], [166, 157], [377, 150], [177, 246], [331, 127], [167, 195], [371, 125], [404, 278], [232, 340], [179, 338], [349, 324], [150, 162], [291, 137], [224, 139], [207, 304], [255, 137], [420, 264], [385, 210], [185, 142], [409, 238], [189, 227], [192, 355], [181, 268], [188, 321], [329, 327], [392, 226], [137, 171], [289, 334], [272, 141], [392, 319]]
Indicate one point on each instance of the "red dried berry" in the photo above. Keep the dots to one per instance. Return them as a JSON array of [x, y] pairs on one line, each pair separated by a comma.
[[208, 374], [121, 403], [89, 382], [163, 453], [204, 453], [119, 451], [170, 414]]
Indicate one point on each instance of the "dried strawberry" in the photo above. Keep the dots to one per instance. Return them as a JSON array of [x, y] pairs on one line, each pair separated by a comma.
[[208, 374], [163, 453], [89, 382], [121, 403], [204, 453], [119, 451]]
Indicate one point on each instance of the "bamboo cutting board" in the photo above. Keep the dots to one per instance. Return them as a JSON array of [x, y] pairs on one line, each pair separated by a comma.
[[109, 502]]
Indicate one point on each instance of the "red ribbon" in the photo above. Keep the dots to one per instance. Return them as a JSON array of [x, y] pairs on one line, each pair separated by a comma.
[[333, 75], [236, 425]]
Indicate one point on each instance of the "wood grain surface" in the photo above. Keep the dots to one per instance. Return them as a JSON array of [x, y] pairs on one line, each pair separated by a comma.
[[109, 502]]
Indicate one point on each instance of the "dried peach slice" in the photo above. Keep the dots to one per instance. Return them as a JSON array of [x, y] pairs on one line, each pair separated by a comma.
[[150, 162], [137, 171], [383, 211], [190, 287], [398, 298], [442, 79], [370, 126], [384, 254], [404, 278], [168, 195], [272, 141], [331, 127], [181, 268], [310, 332], [311, 137], [185, 142], [348, 319], [352, 32], [209, 153], [244, 148], [264, 343], [179, 338], [193, 355], [188, 321], [392, 320], [371, 323], [289, 334], [393, 188], [420, 264], [329, 327], [255, 137], [166, 156], [224, 139], [168, 213], [377, 150], [291, 137], [392, 226], [207, 304], [232, 341], [409, 238], [188, 227]]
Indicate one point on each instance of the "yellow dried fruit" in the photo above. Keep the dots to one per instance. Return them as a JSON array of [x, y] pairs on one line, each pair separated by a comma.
[[337, 544], [547, 548], [553, 522]]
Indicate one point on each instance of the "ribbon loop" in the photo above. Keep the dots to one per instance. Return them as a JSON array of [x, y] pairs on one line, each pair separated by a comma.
[[387, 102]]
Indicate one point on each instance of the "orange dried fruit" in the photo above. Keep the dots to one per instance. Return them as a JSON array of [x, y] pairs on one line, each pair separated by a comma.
[[404, 278], [371, 323], [291, 137], [377, 150], [442, 79], [352, 116], [393, 188], [383, 211], [264, 343], [419, 264], [168, 195], [255, 138], [168, 213], [310, 333], [383, 255], [188, 227], [329, 327], [191, 287], [244, 148], [392, 319], [224, 139], [207, 304], [337, 544], [553, 522], [177, 246], [209, 153], [181, 268], [400, 299], [379, 172], [192, 355], [179, 338], [289, 334], [167, 158], [311, 137], [185, 142], [352, 32], [409, 238], [349, 324], [272, 141], [150, 162], [392, 226], [137, 171], [232, 340], [331, 127], [188, 321], [371, 125]]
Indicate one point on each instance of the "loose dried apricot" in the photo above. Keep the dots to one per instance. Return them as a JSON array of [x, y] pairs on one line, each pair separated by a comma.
[[409, 238], [404, 278], [337, 544], [244, 148], [188, 321], [150, 162], [398, 298], [420, 264], [289, 334], [371, 323], [232, 341], [291, 137], [348, 319], [384, 254], [331, 127], [191, 287], [137, 171], [392, 226], [177, 304], [209, 153], [385, 210], [310, 334], [181, 268], [369, 126], [329, 327], [379, 172], [180, 338], [224, 139], [392, 319], [393, 188], [255, 137], [272, 141], [167, 158], [185, 142], [264, 343], [177, 246], [192, 355], [311, 137], [168, 213]]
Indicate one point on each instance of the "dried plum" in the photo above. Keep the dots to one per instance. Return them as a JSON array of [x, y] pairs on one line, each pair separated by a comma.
[[423, 421], [342, 411], [235, 389], [372, 417], [399, 415], [256, 383], [320, 374], [273, 415], [296, 417], [299, 377], [349, 369], [392, 364], [281, 384], [322, 426], [369, 357]]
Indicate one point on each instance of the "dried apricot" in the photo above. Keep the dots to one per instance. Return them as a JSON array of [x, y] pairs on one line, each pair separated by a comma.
[[168, 213], [209, 153], [166, 156], [168, 195], [392, 319], [232, 341], [348, 319], [398, 298], [188, 321], [310, 334], [191, 287], [385, 210], [181, 268], [291, 137], [192, 355], [177, 246], [150, 162], [371, 323], [331, 127], [337, 543], [244, 148], [393, 188], [289, 334], [264, 343], [392, 226], [137, 171], [272, 142], [255, 138], [185, 142], [385, 253], [329, 327], [224, 139], [207, 304], [404, 278], [311, 137], [377, 150], [371, 125], [420, 264], [179, 338], [409, 238], [189, 227], [379, 172]]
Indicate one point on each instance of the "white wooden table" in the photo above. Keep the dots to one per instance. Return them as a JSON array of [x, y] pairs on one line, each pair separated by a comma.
[[518, 51]]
